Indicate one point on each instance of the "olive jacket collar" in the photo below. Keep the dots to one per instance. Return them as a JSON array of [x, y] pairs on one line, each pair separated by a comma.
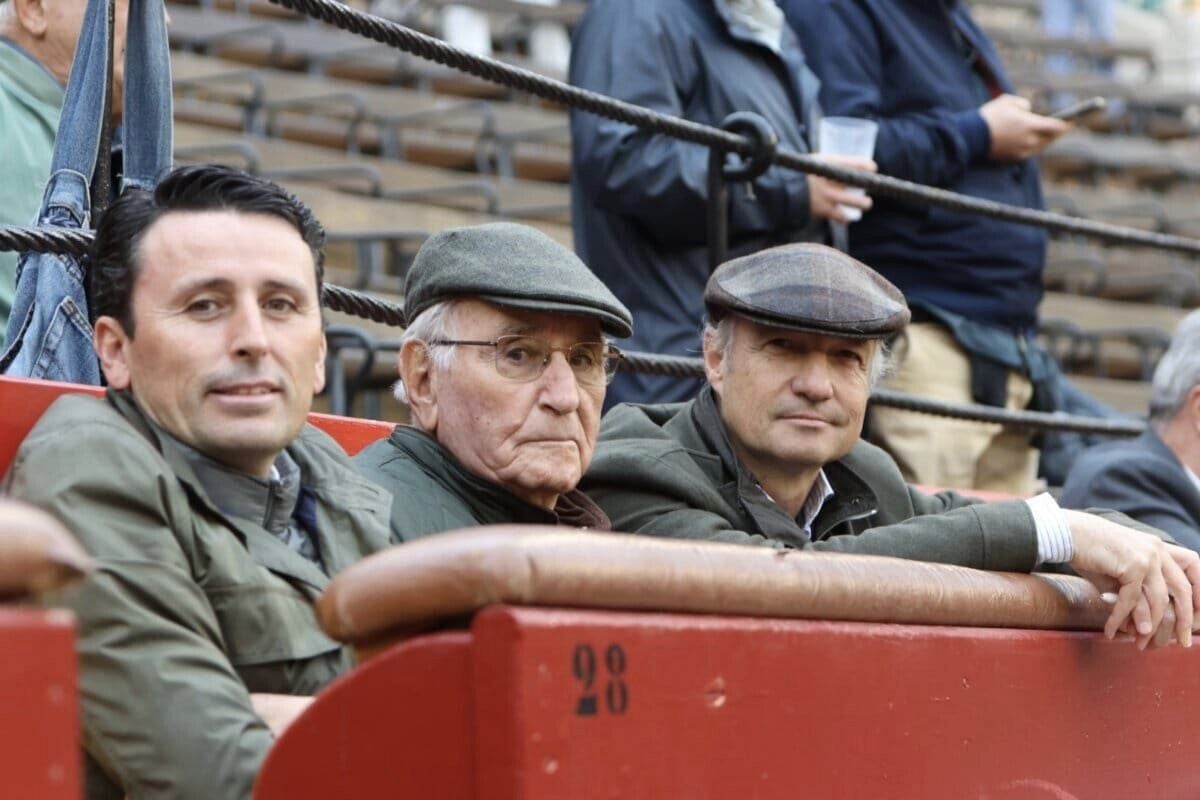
[[336, 485], [852, 499], [432, 492]]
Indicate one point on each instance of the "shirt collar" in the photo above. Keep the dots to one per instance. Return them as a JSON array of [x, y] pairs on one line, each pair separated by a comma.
[[26, 72], [1193, 476], [759, 21], [820, 492], [267, 502]]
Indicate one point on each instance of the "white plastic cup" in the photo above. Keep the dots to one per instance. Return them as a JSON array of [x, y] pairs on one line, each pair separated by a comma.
[[848, 136]]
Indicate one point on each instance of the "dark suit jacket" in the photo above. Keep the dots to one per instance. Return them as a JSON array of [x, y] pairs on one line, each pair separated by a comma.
[[1142, 478]]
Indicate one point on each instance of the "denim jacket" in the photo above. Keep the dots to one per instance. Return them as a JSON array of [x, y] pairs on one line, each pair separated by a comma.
[[49, 334]]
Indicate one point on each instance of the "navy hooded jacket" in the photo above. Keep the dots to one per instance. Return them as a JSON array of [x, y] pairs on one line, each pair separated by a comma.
[[902, 63], [638, 199]]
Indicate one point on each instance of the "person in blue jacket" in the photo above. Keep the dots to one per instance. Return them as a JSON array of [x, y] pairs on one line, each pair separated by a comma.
[[638, 199], [926, 72]]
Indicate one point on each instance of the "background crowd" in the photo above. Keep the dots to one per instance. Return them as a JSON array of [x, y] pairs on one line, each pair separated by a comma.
[[223, 515]]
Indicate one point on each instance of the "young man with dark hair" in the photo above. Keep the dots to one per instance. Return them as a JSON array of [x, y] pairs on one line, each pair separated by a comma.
[[215, 514]]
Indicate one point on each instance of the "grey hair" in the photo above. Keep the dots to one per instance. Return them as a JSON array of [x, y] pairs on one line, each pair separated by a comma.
[[1178, 371], [431, 324], [720, 337]]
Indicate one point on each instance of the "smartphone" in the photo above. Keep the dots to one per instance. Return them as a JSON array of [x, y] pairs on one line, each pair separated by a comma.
[[1079, 109]]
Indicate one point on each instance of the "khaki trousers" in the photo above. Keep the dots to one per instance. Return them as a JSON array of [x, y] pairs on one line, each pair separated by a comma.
[[951, 453]]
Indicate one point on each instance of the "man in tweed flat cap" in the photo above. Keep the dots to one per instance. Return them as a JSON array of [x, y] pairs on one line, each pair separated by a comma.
[[504, 366], [769, 452]]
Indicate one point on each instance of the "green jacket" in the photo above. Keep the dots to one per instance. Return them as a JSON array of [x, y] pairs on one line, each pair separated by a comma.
[[188, 610], [30, 104], [432, 492], [669, 470]]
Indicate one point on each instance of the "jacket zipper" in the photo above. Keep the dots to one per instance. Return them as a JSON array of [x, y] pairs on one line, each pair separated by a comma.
[[853, 518]]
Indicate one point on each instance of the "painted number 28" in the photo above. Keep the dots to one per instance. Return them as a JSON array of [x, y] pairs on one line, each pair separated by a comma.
[[584, 667]]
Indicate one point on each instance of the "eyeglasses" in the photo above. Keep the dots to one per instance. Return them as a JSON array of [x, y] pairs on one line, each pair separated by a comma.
[[524, 358]]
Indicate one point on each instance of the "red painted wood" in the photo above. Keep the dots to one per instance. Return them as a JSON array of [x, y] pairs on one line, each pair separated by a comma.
[[352, 434], [39, 727], [742, 708], [398, 726], [24, 401]]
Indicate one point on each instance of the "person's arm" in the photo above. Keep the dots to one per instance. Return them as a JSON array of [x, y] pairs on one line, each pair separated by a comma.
[[931, 146], [164, 713], [279, 710], [624, 48], [668, 498]]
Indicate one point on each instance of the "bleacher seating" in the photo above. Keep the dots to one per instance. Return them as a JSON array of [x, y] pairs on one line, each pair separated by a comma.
[[387, 154]]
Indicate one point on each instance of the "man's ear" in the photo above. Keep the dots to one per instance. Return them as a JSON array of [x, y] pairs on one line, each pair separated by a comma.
[[714, 362], [32, 16], [319, 366], [1192, 405], [111, 344], [420, 384]]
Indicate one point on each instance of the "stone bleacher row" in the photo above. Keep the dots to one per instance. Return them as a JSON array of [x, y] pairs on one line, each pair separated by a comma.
[[388, 149]]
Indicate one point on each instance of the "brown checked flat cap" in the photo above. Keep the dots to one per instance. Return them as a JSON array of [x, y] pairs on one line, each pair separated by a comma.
[[807, 287]]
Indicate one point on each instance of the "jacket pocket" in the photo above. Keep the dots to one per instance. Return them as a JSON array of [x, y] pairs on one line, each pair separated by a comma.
[[263, 624], [66, 352]]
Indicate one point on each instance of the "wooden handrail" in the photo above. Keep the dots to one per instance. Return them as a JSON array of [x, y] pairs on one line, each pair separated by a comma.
[[418, 585]]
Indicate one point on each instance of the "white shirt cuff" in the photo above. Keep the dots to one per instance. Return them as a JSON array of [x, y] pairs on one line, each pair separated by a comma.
[[1055, 545]]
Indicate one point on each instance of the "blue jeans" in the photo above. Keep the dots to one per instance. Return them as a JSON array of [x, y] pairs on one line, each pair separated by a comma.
[[49, 334], [1061, 448], [1059, 18]]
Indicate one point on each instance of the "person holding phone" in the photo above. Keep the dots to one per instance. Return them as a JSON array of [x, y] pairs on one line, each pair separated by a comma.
[[947, 115]]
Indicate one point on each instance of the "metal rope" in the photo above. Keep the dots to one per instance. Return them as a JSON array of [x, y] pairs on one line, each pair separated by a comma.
[[377, 309], [684, 367], [428, 47]]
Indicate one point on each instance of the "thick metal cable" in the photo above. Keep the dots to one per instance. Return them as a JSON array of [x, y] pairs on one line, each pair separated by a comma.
[[349, 301], [428, 47], [684, 367]]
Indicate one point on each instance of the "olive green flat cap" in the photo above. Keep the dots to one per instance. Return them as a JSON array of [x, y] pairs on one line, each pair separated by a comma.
[[808, 287], [510, 265]]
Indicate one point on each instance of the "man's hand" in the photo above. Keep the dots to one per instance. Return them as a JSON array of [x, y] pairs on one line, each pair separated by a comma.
[[825, 197], [1017, 133], [1147, 574], [279, 710]]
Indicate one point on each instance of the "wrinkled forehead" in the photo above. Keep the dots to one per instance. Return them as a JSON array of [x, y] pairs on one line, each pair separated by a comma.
[[475, 317]]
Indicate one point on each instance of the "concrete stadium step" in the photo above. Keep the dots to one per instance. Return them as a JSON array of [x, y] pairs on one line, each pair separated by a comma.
[[1106, 338], [1132, 161], [289, 41], [372, 240], [387, 178], [1129, 397], [504, 137], [1122, 273]]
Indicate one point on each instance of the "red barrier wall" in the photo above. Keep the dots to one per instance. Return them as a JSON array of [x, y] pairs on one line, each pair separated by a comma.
[[537, 704], [24, 401], [39, 732]]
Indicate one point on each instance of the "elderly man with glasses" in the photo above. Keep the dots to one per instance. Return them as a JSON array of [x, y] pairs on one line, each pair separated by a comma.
[[504, 366]]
